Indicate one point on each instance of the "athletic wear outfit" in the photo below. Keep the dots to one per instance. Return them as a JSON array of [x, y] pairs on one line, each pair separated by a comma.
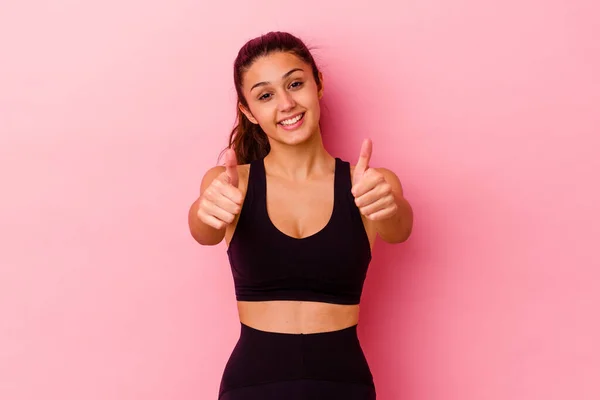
[[329, 266]]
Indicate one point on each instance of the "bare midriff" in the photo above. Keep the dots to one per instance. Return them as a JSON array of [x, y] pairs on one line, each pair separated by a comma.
[[284, 316]]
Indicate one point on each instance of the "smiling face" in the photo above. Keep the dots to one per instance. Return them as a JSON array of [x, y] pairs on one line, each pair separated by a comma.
[[283, 97]]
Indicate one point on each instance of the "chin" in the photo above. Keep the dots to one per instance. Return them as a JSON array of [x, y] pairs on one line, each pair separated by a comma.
[[296, 137]]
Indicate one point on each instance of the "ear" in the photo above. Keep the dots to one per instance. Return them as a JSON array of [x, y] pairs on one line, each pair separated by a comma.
[[320, 86], [247, 113]]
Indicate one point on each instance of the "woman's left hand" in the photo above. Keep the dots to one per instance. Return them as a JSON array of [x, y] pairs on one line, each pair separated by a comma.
[[373, 194]]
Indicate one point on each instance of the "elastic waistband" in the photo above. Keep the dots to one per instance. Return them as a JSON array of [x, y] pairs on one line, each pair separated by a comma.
[[261, 356], [249, 329]]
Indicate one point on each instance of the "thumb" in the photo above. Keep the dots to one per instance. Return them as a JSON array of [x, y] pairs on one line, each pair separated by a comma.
[[231, 167], [363, 159]]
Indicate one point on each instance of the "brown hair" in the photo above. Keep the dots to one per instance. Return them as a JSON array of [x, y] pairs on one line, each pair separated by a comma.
[[248, 140]]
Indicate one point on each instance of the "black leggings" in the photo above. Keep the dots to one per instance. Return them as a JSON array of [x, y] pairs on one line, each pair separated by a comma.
[[315, 366]]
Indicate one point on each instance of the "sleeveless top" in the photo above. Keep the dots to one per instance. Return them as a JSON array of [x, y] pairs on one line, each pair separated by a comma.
[[329, 266]]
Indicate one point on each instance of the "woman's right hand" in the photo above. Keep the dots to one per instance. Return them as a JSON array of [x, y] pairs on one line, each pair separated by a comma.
[[221, 201]]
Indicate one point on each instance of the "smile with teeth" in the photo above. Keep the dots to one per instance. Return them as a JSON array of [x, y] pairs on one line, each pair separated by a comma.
[[292, 121]]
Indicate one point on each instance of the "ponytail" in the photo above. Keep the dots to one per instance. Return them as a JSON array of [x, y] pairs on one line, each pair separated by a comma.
[[248, 140]]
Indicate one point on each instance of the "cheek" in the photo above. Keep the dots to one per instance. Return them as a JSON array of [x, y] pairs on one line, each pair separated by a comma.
[[315, 106], [315, 101], [309, 99], [263, 113]]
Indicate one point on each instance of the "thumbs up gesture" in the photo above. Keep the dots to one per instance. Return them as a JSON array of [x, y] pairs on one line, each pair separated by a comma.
[[221, 201], [372, 193], [231, 175]]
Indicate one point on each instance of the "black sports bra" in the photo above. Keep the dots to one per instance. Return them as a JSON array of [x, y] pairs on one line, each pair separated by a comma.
[[329, 266]]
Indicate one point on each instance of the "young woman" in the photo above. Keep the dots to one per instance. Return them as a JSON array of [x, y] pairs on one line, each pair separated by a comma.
[[300, 225]]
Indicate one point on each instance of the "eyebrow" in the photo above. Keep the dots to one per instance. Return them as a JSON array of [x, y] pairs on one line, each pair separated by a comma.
[[283, 77]]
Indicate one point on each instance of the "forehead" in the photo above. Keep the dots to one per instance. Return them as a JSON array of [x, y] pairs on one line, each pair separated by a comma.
[[272, 67]]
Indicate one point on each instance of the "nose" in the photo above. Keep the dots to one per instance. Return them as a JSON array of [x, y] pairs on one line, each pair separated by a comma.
[[286, 101]]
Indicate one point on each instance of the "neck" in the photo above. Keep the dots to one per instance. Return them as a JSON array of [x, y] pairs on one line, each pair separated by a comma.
[[300, 161]]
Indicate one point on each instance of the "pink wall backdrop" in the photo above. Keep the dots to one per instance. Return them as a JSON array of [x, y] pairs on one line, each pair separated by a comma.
[[111, 111]]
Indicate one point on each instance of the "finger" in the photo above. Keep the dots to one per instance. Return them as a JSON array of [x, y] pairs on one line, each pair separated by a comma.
[[373, 186], [366, 196], [223, 211], [365, 155], [218, 199], [211, 221], [233, 194], [231, 167], [371, 179], [229, 206], [224, 188], [364, 158], [383, 214], [376, 205]]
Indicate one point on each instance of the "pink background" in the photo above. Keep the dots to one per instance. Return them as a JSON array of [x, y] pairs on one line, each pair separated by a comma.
[[111, 111]]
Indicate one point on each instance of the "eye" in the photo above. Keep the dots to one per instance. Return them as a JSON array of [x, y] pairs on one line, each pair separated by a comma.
[[296, 84], [264, 97]]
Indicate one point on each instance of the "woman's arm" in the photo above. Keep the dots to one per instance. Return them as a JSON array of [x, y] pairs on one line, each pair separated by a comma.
[[202, 232], [379, 197]]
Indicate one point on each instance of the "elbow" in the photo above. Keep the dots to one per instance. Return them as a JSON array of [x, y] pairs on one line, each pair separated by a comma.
[[400, 236], [402, 227], [405, 234]]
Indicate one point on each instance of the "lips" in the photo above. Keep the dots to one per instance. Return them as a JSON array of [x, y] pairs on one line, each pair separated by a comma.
[[299, 121], [291, 118]]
